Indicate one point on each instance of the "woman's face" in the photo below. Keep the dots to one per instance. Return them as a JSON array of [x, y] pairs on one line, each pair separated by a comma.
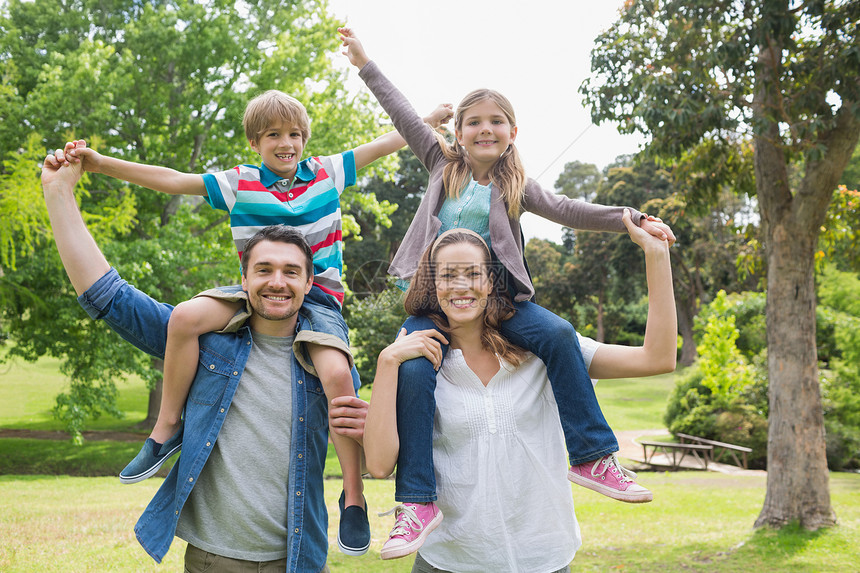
[[462, 283]]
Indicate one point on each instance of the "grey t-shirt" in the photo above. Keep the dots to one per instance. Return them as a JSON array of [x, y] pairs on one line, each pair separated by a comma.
[[238, 508]]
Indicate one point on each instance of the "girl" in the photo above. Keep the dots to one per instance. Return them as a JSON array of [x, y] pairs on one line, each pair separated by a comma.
[[495, 408], [479, 183]]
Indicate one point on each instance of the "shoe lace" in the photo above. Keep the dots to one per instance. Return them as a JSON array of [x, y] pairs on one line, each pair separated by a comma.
[[611, 462], [406, 520]]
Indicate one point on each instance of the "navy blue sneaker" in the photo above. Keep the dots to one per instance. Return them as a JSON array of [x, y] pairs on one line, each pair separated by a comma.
[[353, 533], [147, 462]]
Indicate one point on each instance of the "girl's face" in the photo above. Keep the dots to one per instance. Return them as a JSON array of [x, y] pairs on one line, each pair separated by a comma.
[[485, 132], [462, 283]]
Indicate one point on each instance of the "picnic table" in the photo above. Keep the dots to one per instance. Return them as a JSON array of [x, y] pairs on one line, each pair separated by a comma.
[[720, 449], [676, 452]]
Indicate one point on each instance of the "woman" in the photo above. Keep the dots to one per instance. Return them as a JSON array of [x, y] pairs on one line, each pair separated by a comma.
[[495, 409]]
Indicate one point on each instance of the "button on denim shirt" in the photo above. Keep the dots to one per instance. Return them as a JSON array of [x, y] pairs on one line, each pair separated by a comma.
[[141, 320]]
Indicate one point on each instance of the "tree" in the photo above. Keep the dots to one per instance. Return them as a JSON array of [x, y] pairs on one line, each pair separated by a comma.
[[783, 76], [579, 180], [162, 82]]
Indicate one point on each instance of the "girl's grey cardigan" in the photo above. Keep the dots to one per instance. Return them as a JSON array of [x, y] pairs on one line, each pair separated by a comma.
[[505, 234]]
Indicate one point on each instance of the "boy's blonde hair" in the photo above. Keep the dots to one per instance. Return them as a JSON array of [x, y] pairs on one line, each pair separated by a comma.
[[508, 173], [271, 107]]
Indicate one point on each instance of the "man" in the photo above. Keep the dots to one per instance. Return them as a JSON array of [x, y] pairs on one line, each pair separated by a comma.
[[247, 491]]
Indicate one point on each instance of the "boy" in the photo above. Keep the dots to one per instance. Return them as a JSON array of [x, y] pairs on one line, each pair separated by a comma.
[[283, 189]]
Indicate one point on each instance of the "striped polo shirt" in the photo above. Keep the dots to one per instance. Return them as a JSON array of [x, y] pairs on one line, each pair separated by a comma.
[[256, 197]]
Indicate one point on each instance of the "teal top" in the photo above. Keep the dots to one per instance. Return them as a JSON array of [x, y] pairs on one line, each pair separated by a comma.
[[471, 210]]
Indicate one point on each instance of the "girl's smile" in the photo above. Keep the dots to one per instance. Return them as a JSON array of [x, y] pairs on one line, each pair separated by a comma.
[[486, 132]]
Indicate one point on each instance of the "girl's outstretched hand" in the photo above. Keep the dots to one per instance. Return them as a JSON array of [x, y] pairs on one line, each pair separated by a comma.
[[658, 228], [354, 50], [644, 237]]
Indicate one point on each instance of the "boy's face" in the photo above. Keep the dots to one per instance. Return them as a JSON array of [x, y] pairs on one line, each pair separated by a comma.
[[280, 146]]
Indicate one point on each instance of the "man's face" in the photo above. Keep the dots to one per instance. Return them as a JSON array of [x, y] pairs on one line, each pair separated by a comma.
[[277, 282]]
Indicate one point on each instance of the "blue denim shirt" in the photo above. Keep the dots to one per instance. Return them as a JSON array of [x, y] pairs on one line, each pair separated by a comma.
[[141, 320]]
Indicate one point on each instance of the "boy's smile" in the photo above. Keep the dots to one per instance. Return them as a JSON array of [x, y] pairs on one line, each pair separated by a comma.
[[280, 146]]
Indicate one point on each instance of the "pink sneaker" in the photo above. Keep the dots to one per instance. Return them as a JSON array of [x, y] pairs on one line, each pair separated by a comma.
[[605, 475], [413, 522]]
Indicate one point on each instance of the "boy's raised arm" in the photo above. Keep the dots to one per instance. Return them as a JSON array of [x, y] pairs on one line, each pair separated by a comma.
[[390, 142], [162, 179]]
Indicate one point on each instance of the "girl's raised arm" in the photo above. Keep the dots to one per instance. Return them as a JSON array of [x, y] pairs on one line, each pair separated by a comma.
[[420, 137]]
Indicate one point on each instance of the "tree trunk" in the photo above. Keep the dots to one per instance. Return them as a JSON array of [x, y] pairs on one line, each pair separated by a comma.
[[154, 398], [686, 314], [601, 329], [797, 476]]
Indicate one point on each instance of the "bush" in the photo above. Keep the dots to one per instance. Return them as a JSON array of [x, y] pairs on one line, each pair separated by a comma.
[[722, 397], [744, 426], [374, 323]]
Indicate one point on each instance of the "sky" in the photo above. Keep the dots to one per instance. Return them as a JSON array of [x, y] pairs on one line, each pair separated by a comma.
[[535, 52]]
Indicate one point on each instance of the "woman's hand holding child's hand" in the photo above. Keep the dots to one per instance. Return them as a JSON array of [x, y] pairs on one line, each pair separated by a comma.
[[426, 343], [658, 228]]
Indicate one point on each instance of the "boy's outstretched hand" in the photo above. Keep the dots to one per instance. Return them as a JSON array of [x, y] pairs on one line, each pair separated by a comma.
[[354, 50], [77, 152], [440, 116]]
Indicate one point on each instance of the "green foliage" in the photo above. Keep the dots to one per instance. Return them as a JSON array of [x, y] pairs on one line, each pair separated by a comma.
[[579, 180], [851, 176], [21, 206], [375, 320], [746, 312], [839, 292], [684, 72], [724, 369], [162, 83], [839, 242], [721, 396], [733, 401]]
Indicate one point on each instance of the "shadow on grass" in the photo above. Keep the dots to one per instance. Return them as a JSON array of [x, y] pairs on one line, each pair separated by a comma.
[[23, 456]]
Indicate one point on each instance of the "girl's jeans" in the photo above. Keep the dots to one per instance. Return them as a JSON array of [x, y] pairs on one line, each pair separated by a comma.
[[547, 336]]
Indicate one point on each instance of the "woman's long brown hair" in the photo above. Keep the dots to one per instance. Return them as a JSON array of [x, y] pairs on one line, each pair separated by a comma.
[[421, 299]]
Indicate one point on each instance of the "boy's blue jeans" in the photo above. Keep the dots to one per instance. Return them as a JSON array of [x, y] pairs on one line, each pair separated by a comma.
[[547, 336]]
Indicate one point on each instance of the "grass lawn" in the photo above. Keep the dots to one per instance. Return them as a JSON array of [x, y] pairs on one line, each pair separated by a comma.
[[635, 403], [698, 521]]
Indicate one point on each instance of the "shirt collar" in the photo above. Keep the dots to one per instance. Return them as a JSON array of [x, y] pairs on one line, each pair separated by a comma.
[[269, 177]]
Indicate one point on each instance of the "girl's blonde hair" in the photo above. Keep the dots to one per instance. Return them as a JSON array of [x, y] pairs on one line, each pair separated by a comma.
[[271, 107], [421, 299], [508, 173]]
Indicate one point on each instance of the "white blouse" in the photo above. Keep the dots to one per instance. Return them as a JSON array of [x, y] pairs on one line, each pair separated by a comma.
[[501, 471]]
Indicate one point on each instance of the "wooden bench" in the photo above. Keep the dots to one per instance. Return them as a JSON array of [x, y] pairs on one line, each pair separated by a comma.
[[677, 452], [720, 450]]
